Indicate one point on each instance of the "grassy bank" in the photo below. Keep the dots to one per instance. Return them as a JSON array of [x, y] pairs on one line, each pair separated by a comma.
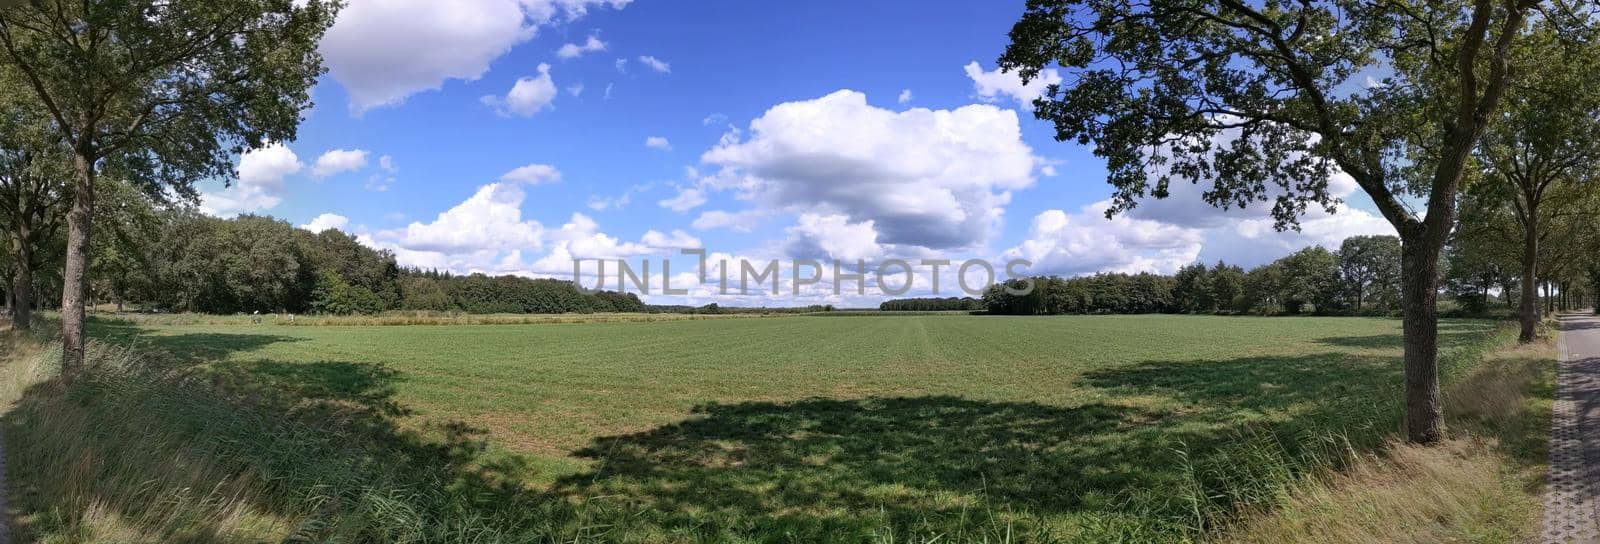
[[864, 430]]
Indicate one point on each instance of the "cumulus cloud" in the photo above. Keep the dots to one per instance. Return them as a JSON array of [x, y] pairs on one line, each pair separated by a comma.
[[491, 219], [905, 96], [326, 221], [338, 161], [260, 184], [532, 174], [833, 237], [1086, 242], [573, 50], [744, 221], [937, 179], [658, 142], [580, 238], [991, 86], [528, 96], [382, 51], [653, 63], [676, 239]]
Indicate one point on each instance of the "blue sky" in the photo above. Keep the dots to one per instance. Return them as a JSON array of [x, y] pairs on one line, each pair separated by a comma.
[[507, 136]]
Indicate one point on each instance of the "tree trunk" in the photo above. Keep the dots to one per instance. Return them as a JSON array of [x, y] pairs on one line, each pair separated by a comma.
[[1419, 276], [79, 220], [21, 278], [1530, 289], [22, 296]]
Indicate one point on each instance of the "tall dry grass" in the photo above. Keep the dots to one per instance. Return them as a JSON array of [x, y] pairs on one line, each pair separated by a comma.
[[1481, 485]]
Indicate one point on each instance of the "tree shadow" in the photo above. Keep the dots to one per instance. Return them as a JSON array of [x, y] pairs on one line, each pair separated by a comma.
[[1451, 334], [1578, 322], [182, 350], [821, 467]]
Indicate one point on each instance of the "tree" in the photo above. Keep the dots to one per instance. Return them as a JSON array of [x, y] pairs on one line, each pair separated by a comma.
[[129, 228], [1260, 99], [1309, 276], [31, 196], [1261, 288], [1370, 266], [1227, 286], [1191, 288], [159, 92], [1539, 156]]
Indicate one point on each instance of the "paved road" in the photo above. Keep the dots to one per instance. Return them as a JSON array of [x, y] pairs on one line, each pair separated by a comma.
[[1571, 503]]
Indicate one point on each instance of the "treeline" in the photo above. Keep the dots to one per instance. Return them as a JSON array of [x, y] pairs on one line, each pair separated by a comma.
[[1363, 277], [185, 261], [947, 304], [481, 294]]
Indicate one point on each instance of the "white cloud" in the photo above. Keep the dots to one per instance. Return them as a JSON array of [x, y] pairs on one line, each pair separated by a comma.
[[326, 221], [338, 161], [991, 86], [260, 183], [490, 220], [532, 174], [653, 63], [1086, 242], [622, 65], [833, 237], [714, 119], [744, 221], [387, 164], [575, 89], [936, 179], [528, 96], [905, 96], [658, 142], [581, 238], [573, 50], [382, 51], [676, 239], [688, 198]]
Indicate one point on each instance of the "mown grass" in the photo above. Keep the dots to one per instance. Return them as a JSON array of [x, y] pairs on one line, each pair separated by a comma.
[[877, 429]]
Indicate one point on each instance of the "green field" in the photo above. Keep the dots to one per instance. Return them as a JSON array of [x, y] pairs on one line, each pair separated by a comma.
[[884, 428]]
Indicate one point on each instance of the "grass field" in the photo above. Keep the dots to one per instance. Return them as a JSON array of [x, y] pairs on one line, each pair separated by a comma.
[[875, 428]]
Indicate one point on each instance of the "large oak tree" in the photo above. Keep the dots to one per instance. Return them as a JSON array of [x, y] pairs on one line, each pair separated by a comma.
[[1266, 101], [165, 92]]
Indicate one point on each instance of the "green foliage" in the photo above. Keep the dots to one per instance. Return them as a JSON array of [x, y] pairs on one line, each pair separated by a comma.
[[1310, 277], [334, 295], [1370, 266], [1191, 290], [166, 93], [1227, 287], [947, 304], [1099, 294]]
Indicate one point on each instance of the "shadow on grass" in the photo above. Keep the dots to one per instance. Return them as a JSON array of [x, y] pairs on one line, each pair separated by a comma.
[[182, 350], [1451, 333], [1176, 434], [330, 448]]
